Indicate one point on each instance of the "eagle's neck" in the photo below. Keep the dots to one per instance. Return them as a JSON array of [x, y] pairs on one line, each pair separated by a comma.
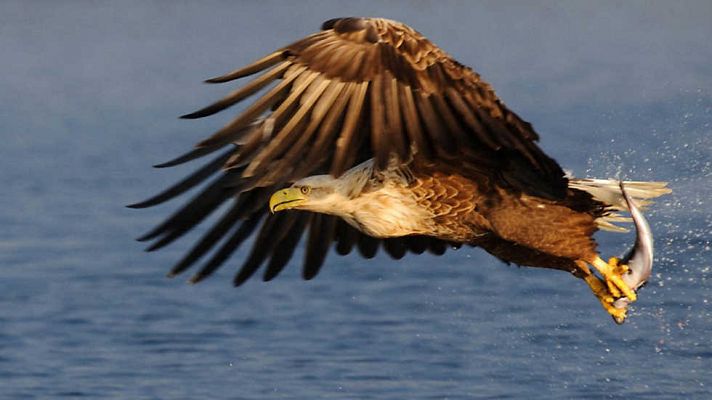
[[386, 212], [380, 205]]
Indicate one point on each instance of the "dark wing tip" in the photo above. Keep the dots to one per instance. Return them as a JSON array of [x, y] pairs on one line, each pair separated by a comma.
[[194, 115], [146, 236], [310, 274], [217, 79], [240, 278], [250, 69], [143, 204]]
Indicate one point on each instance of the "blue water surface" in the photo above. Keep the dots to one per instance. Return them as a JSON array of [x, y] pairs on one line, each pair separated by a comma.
[[89, 94]]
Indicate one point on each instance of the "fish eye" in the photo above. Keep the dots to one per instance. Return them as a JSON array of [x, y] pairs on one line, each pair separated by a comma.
[[305, 189]]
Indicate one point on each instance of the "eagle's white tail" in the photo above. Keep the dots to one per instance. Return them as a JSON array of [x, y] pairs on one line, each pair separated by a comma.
[[609, 192]]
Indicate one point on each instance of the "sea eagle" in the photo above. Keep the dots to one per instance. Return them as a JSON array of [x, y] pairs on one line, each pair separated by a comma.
[[367, 135]]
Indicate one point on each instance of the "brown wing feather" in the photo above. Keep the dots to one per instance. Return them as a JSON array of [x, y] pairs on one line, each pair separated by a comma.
[[360, 88]]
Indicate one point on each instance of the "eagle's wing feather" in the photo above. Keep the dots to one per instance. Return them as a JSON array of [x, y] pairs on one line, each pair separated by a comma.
[[361, 88], [393, 89]]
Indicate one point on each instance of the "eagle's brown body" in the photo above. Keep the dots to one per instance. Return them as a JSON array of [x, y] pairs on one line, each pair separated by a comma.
[[486, 215], [477, 209], [464, 169]]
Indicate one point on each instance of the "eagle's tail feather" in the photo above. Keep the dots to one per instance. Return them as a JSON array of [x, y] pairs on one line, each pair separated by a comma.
[[609, 192]]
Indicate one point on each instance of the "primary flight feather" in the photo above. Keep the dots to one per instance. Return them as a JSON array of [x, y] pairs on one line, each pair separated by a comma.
[[367, 135]]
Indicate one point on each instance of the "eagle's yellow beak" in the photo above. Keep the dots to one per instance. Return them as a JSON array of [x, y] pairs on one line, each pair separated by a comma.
[[285, 199]]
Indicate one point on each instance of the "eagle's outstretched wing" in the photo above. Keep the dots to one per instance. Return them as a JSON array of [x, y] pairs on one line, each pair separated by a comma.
[[361, 88]]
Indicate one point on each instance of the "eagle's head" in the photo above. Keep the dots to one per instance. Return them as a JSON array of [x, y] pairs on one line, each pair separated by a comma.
[[315, 193], [378, 205], [321, 193]]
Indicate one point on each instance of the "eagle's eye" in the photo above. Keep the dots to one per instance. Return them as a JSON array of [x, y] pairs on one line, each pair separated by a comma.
[[305, 189]]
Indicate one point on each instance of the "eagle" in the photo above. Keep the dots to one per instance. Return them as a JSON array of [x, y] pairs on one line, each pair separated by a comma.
[[366, 135]]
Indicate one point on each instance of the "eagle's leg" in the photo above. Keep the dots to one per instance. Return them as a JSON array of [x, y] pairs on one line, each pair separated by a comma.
[[612, 272], [618, 269], [602, 293], [604, 296]]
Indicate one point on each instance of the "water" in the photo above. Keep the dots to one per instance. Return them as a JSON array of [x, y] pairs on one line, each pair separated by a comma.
[[89, 96]]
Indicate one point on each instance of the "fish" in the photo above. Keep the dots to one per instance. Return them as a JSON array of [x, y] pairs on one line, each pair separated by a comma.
[[639, 258]]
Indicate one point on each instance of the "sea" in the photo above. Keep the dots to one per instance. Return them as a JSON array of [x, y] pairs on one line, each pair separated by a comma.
[[89, 95]]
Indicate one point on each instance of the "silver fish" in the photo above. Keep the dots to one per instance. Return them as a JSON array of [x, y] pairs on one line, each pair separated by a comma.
[[639, 259]]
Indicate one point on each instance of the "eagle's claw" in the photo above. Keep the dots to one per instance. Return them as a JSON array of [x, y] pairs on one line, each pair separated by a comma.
[[602, 292], [613, 272]]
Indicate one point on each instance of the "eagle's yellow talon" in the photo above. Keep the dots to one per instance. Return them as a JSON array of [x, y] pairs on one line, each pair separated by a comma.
[[615, 279], [618, 270], [615, 262], [613, 289], [612, 274], [599, 289], [618, 314]]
